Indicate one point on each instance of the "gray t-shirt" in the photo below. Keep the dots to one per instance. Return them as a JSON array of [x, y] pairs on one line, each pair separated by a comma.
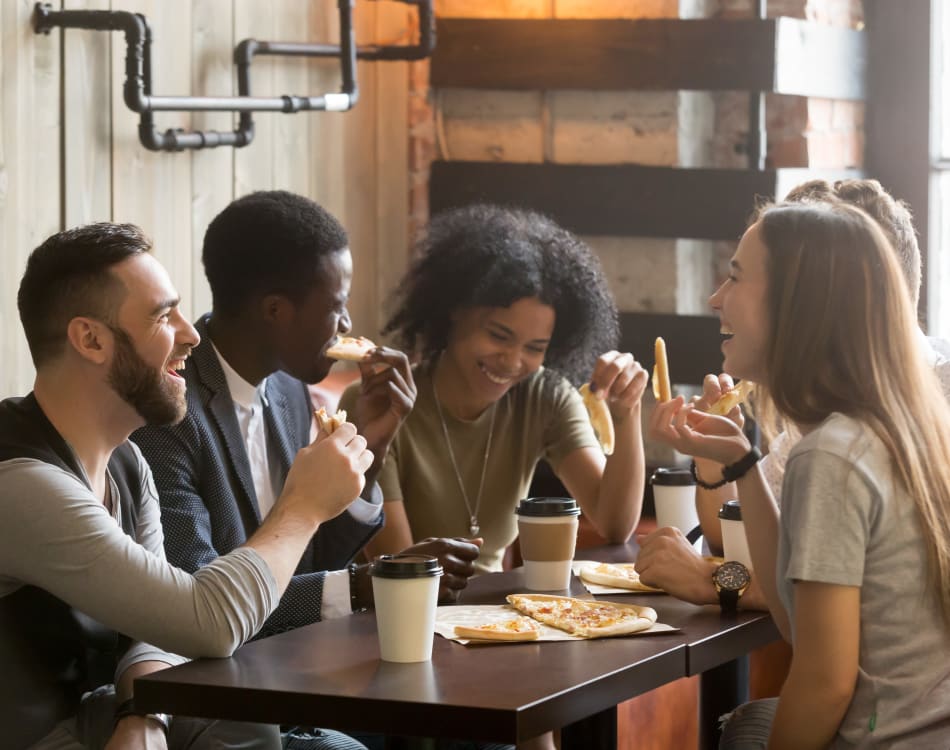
[[847, 520], [937, 353]]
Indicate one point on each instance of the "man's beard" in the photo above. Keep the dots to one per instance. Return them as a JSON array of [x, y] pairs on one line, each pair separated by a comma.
[[142, 387]]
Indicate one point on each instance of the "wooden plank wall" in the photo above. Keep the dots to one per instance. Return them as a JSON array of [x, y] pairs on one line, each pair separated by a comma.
[[69, 149]]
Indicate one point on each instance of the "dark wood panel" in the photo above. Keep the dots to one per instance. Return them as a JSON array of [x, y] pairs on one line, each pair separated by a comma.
[[692, 343], [624, 200], [782, 55], [620, 200]]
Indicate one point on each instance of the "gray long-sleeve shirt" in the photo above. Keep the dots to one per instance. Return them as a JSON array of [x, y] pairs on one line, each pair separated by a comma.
[[56, 535]]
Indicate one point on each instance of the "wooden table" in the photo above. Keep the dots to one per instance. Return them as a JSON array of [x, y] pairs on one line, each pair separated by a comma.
[[330, 675]]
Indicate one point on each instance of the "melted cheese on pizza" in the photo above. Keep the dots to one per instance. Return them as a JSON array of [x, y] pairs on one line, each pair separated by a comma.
[[583, 617]]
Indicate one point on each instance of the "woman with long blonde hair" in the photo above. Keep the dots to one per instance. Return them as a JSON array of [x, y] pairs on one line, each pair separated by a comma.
[[856, 567]]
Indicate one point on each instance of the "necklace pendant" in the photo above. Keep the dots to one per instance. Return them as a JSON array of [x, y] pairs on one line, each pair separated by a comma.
[[473, 527]]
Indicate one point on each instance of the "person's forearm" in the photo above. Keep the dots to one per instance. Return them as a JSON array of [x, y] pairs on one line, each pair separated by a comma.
[[281, 540], [752, 599], [620, 498], [123, 688], [760, 517], [395, 535], [708, 502], [808, 714]]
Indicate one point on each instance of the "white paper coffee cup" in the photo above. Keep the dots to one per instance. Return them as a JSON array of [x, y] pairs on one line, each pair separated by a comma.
[[547, 532], [734, 543], [405, 592], [674, 498]]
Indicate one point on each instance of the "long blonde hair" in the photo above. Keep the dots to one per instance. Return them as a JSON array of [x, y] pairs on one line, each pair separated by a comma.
[[844, 337]]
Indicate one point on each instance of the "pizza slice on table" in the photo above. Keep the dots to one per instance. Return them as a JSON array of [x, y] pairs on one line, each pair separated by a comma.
[[582, 617], [618, 575], [516, 629]]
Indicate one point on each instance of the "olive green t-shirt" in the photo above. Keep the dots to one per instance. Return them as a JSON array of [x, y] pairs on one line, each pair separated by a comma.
[[534, 420]]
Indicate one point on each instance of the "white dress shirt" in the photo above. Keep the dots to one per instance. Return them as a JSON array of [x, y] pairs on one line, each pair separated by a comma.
[[249, 402]]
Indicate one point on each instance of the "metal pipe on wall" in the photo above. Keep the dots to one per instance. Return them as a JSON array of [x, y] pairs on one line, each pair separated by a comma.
[[137, 92]]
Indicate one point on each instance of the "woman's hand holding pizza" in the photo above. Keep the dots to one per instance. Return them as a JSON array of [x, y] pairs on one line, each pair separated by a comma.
[[695, 433], [714, 387], [620, 380]]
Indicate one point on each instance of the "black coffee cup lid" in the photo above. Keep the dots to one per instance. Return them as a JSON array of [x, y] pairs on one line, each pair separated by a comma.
[[405, 566], [548, 506], [672, 477], [730, 511]]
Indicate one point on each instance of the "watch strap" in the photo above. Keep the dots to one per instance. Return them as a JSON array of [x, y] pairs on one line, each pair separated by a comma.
[[728, 600], [740, 468]]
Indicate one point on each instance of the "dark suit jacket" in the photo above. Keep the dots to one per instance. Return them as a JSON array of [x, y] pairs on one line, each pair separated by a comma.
[[207, 496]]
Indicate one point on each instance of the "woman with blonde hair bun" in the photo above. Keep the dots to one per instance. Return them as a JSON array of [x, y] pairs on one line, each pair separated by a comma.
[[856, 567]]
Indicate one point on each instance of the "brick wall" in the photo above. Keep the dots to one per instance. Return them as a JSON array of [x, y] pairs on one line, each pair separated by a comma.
[[686, 129]]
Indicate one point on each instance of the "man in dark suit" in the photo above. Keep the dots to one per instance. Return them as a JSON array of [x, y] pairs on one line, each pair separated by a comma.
[[279, 268]]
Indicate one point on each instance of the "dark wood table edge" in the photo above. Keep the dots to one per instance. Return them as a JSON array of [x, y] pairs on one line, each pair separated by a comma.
[[497, 725]]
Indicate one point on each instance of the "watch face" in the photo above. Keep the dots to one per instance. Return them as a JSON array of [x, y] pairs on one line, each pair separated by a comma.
[[732, 576]]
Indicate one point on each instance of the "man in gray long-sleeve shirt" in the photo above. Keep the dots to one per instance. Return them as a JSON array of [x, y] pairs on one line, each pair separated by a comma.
[[86, 596]]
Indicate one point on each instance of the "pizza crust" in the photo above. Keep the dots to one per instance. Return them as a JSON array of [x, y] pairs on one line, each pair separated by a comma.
[[350, 348], [516, 629], [661, 372], [621, 576], [600, 418], [584, 617], [327, 423]]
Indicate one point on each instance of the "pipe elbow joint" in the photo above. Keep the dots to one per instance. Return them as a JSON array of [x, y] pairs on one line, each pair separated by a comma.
[[245, 50]]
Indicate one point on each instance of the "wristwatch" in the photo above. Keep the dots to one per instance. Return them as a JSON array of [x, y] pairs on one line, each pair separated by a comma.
[[731, 579], [127, 708]]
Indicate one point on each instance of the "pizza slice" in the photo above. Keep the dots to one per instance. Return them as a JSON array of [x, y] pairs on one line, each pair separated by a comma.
[[586, 618], [599, 418], [731, 399], [516, 629], [350, 348], [621, 576], [327, 423]]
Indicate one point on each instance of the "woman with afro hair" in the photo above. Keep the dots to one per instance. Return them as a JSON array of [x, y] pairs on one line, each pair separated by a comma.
[[508, 313]]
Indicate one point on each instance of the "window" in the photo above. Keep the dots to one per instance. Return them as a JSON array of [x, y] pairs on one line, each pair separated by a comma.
[[939, 271]]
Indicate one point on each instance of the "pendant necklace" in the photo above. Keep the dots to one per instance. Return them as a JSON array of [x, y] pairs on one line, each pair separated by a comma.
[[473, 527]]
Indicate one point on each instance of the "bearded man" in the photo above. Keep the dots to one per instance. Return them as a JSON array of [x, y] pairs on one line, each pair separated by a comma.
[[87, 600]]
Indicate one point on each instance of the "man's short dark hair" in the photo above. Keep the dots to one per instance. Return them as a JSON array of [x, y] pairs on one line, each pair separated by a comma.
[[269, 242], [68, 276]]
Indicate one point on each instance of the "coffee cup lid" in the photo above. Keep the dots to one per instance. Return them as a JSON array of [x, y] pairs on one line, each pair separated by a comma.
[[548, 506], [730, 511], [405, 566], [673, 477]]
